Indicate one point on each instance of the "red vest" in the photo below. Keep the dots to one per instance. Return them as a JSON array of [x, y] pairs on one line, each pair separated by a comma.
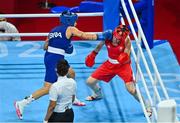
[[114, 51]]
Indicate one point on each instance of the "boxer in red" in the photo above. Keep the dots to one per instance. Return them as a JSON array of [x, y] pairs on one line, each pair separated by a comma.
[[118, 63]]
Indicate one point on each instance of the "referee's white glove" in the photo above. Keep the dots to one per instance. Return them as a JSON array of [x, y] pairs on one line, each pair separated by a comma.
[[45, 121]]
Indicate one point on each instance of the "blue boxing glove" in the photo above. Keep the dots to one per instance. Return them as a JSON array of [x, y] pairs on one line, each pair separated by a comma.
[[69, 49], [105, 35]]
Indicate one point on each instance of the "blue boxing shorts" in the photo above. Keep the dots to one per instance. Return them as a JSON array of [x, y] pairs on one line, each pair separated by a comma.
[[50, 61]]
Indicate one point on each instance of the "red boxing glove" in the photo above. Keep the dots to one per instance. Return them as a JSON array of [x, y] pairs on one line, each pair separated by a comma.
[[90, 59], [123, 57]]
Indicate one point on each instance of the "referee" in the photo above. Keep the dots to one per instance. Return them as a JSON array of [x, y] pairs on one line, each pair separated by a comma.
[[62, 95]]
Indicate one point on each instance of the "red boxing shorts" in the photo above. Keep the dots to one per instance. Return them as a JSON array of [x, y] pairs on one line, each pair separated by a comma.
[[108, 70]]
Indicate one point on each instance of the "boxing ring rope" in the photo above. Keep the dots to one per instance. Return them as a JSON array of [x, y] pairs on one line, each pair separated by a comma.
[[148, 49], [140, 52], [28, 34], [47, 15], [23, 34], [132, 49], [143, 58], [39, 16], [143, 81]]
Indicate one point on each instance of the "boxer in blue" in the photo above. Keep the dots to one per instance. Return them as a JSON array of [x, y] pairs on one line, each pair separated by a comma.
[[57, 44]]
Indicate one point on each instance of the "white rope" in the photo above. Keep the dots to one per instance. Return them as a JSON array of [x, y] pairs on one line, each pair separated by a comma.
[[140, 49], [47, 15], [30, 34], [22, 34], [143, 81], [148, 49]]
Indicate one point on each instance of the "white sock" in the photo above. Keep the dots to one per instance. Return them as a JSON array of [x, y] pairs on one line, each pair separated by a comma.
[[28, 100], [97, 91], [75, 100]]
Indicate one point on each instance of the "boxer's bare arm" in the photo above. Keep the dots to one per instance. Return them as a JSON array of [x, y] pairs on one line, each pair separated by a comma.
[[73, 31]]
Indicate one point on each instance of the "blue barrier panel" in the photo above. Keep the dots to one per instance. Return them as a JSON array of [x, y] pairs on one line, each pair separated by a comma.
[[59, 9], [90, 6], [111, 14], [148, 27]]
